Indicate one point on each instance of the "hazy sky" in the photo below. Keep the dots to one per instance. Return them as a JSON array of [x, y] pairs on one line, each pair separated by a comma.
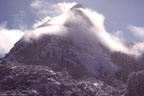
[[122, 16]]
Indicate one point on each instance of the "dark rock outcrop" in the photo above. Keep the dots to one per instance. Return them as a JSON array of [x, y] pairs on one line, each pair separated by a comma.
[[39, 80], [135, 86]]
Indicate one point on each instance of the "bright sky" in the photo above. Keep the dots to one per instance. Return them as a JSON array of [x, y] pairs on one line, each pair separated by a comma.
[[123, 17]]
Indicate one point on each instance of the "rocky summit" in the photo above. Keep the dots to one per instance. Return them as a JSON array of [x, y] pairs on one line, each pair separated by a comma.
[[66, 57]]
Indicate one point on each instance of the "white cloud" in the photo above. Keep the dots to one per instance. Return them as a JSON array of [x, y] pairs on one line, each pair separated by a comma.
[[112, 42], [79, 22], [137, 31], [8, 38], [138, 47], [119, 34], [62, 7], [36, 4], [43, 8]]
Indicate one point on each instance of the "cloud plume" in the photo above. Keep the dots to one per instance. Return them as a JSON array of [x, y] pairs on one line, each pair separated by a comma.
[[80, 21], [8, 38], [43, 8], [137, 31], [81, 24]]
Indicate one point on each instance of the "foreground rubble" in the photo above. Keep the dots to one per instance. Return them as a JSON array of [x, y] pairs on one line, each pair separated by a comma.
[[37, 80]]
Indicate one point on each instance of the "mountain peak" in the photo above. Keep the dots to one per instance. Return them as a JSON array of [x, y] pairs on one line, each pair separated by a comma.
[[78, 5]]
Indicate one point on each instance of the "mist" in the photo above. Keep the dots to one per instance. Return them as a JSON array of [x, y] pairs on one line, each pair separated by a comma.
[[81, 24], [8, 38]]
